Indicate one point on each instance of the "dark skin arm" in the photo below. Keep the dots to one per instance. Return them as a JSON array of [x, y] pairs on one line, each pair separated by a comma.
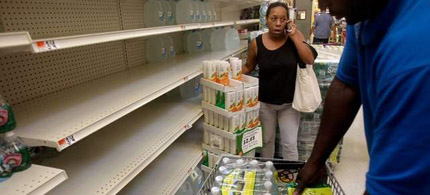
[[340, 108], [305, 53], [251, 61]]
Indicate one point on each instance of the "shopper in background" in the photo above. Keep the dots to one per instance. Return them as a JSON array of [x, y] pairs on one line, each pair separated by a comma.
[[386, 68], [322, 27], [277, 53]]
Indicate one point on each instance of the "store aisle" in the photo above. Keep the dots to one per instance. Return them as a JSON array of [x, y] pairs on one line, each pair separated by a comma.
[[354, 161]]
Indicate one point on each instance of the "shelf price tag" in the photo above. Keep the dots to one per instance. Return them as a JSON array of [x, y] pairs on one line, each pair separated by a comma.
[[47, 45], [65, 142], [250, 140], [187, 127]]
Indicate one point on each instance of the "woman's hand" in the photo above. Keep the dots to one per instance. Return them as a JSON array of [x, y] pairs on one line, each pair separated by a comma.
[[297, 37], [291, 29]]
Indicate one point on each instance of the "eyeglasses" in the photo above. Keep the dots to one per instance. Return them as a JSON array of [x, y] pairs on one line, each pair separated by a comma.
[[282, 20]]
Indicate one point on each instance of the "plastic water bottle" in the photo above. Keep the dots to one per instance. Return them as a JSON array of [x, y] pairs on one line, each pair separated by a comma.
[[168, 12], [270, 166], [213, 39], [194, 42], [154, 13], [206, 34], [184, 12], [7, 118], [255, 165], [197, 179], [197, 11], [263, 12], [213, 11], [218, 181], [232, 40], [186, 188], [155, 50], [208, 11], [203, 12], [215, 191], [225, 170], [168, 42], [16, 153], [218, 39], [264, 188], [173, 9], [191, 88]]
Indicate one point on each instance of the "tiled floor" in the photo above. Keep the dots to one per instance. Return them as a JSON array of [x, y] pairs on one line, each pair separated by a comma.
[[354, 159]]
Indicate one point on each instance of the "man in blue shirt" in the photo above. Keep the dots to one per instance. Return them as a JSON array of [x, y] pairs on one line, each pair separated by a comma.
[[322, 27], [385, 67]]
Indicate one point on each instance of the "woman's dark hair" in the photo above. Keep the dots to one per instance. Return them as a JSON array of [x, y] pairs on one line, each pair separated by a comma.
[[277, 4]]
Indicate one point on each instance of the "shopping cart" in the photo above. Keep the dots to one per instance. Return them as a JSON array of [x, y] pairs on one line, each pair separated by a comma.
[[287, 172]]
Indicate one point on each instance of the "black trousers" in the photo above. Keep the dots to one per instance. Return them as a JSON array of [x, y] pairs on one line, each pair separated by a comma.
[[320, 41]]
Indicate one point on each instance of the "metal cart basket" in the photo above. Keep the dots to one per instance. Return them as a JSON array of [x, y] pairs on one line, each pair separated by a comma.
[[287, 172]]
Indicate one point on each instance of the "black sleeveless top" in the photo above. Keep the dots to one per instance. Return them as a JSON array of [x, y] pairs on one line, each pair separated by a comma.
[[278, 70]]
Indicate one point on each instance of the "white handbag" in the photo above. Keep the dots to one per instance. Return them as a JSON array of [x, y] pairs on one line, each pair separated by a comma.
[[307, 95]]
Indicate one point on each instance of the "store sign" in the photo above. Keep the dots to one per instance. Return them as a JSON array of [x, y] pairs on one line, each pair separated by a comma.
[[250, 140]]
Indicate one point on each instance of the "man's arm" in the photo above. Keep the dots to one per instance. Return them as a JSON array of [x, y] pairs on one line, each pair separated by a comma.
[[312, 31], [340, 108], [251, 61], [333, 29], [313, 27]]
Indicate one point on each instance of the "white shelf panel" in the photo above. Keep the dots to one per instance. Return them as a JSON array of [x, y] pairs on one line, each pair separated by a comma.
[[22, 41], [14, 42], [246, 22], [33, 181], [170, 169], [107, 161], [215, 151], [62, 119], [220, 132]]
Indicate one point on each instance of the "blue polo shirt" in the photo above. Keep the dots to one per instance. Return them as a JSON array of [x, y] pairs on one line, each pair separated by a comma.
[[323, 24], [388, 59]]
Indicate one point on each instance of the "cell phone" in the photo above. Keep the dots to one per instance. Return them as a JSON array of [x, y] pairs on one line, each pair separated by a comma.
[[288, 27]]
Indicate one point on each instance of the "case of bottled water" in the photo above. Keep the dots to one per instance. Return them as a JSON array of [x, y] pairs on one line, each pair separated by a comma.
[[154, 13]]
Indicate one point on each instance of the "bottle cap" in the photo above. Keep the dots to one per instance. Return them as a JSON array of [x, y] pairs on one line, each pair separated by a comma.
[[269, 164], [254, 163], [268, 185], [215, 190], [226, 160], [222, 169], [219, 179], [240, 161]]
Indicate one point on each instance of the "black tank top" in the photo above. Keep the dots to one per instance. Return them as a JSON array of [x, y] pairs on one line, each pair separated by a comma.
[[278, 70]]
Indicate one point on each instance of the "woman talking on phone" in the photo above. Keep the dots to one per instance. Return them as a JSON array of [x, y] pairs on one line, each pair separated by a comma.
[[278, 54]]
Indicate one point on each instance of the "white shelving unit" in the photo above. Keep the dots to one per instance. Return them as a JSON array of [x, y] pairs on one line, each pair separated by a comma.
[[100, 99], [171, 168], [33, 181], [108, 160], [22, 41], [62, 119]]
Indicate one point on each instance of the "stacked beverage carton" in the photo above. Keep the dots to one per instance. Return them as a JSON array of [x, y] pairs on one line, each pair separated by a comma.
[[325, 68], [231, 111]]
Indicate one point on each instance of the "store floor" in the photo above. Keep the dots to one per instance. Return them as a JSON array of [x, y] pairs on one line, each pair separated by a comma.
[[354, 160]]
